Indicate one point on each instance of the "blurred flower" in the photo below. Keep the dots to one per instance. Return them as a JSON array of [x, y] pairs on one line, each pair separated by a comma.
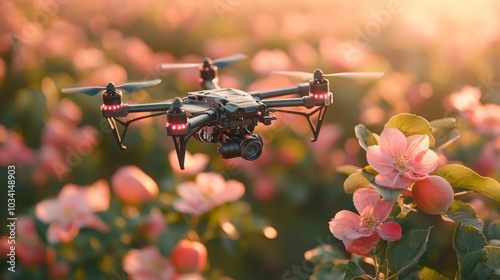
[[266, 61], [132, 185], [13, 149], [488, 160], [303, 53], [194, 163], [401, 160], [74, 209], [360, 233], [264, 188], [148, 264], [153, 225], [465, 99], [486, 119], [29, 247], [209, 190]]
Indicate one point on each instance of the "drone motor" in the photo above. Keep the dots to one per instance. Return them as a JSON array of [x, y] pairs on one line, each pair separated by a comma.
[[176, 119], [248, 147]]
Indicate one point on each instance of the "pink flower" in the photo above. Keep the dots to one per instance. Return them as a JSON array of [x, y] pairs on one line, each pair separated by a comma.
[[153, 225], [465, 99], [13, 149], [209, 190], [29, 247], [401, 160], [486, 119], [194, 164], [360, 233], [148, 264], [74, 209], [132, 185]]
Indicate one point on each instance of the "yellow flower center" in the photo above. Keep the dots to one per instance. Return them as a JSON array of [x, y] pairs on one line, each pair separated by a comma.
[[400, 162], [370, 222]]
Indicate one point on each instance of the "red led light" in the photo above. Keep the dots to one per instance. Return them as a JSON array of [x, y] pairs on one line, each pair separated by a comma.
[[320, 95], [111, 107], [177, 126]]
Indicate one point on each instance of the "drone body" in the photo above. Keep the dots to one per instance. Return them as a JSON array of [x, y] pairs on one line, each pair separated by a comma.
[[216, 115]]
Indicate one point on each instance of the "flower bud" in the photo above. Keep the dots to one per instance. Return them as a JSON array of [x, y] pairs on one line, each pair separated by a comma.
[[434, 195], [189, 256], [132, 185]]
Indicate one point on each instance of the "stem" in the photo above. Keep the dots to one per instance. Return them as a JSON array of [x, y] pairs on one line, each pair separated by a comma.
[[377, 268]]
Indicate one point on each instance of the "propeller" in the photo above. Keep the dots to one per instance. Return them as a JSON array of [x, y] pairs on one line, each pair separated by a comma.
[[348, 75], [110, 87], [220, 62]]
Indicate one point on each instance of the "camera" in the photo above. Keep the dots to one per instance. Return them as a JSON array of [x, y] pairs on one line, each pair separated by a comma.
[[248, 147]]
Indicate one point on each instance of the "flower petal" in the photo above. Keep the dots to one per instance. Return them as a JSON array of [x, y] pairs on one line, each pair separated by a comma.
[[363, 245], [234, 190], [416, 144], [392, 142], [390, 231], [382, 209], [344, 223], [48, 210], [393, 181], [365, 199], [425, 162], [98, 196], [382, 163]]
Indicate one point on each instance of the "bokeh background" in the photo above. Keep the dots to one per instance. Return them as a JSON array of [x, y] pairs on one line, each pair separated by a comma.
[[428, 51]]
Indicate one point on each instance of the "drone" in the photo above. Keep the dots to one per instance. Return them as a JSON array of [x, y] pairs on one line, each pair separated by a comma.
[[225, 116]]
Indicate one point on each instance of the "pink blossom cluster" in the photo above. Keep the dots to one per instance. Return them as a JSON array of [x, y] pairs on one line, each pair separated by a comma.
[[360, 233]]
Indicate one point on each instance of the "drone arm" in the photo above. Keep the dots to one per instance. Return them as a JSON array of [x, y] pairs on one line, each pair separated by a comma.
[[307, 102], [149, 107], [301, 89]]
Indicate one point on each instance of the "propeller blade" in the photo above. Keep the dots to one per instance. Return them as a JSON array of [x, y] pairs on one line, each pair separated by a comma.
[[224, 61], [173, 66], [356, 75], [131, 87], [348, 75], [220, 62], [85, 90]]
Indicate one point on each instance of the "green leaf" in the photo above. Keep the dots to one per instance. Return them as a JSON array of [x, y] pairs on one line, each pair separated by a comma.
[[359, 179], [493, 258], [411, 124], [329, 271], [404, 253], [467, 239], [473, 266], [323, 253], [444, 132], [348, 169], [423, 273], [460, 176], [365, 137], [388, 194], [493, 231], [169, 238], [463, 213], [353, 271]]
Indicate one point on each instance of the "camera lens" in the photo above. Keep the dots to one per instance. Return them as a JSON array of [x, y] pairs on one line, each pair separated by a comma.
[[251, 148], [248, 147]]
